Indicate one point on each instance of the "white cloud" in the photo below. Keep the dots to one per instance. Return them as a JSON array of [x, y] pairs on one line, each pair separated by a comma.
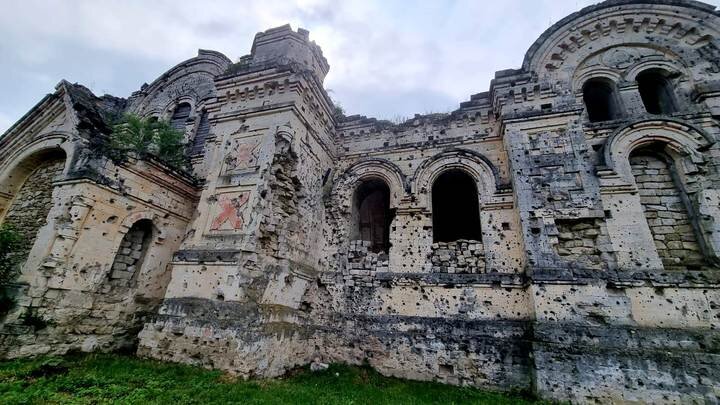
[[388, 57]]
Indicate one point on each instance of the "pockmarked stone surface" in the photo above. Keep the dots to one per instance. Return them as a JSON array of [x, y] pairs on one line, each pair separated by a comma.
[[558, 233]]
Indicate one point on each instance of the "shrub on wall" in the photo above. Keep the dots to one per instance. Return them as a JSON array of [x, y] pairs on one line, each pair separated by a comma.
[[147, 137], [10, 244]]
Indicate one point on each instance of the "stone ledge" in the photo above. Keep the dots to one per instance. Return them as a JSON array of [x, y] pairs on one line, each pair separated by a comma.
[[627, 278], [579, 338]]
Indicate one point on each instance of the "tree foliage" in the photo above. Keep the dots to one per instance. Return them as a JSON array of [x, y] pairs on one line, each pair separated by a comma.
[[148, 137], [10, 244]]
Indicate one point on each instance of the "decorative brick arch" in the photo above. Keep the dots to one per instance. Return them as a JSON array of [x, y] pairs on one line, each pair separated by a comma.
[[53, 142], [131, 219], [473, 163], [371, 169], [623, 70], [190, 81], [669, 25], [20, 164], [681, 139]]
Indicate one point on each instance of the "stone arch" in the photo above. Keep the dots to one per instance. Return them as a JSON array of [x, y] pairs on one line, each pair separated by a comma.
[[669, 66], [681, 147], [373, 168], [343, 192], [26, 188], [594, 74], [192, 80], [668, 24], [131, 219], [681, 139], [32, 153], [475, 164], [622, 62]]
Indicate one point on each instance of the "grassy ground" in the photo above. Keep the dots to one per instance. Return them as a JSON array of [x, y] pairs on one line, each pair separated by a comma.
[[94, 379]]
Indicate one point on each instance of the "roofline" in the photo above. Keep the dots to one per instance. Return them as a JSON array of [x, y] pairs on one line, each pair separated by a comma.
[[693, 4]]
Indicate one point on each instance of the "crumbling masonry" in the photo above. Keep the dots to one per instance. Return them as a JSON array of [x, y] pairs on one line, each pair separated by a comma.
[[558, 233]]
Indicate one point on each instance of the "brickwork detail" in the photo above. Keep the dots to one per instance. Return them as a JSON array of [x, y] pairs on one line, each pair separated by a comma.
[[666, 212], [461, 256], [577, 242], [363, 264], [31, 205], [132, 250]]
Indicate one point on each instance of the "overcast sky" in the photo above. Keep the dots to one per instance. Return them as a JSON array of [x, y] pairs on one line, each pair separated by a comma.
[[388, 58]]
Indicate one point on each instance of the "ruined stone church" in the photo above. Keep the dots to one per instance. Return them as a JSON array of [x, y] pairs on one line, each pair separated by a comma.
[[559, 232]]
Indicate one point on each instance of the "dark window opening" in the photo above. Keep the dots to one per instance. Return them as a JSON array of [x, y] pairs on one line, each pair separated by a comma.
[[373, 215], [132, 251], [203, 130], [180, 117], [656, 92], [455, 207], [601, 100]]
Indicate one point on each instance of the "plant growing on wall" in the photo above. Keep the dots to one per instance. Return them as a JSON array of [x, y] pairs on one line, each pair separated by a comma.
[[147, 137], [10, 243]]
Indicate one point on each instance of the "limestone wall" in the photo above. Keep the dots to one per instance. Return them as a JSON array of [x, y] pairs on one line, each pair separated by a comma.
[[31, 204], [77, 298], [592, 275]]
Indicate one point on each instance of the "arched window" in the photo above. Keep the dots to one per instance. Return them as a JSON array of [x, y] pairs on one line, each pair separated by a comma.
[[132, 251], [665, 208], [601, 102], [180, 116], [455, 207], [31, 201], [656, 92], [372, 214]]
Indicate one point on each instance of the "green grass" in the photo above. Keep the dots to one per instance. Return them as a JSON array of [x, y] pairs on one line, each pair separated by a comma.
[[98, 378]]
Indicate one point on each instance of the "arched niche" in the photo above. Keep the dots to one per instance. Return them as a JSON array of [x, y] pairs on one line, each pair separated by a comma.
[[676, 149], [347, 191], [382, 169], [15, 167], [665, 204], [26, 184], [131, 253], [681, 140], [179, 115]]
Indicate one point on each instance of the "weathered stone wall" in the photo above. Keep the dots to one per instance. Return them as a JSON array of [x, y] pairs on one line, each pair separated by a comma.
[[665, 212], [461, 256], [595, 277], [31, 204], [74, 300], [578, 242]]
